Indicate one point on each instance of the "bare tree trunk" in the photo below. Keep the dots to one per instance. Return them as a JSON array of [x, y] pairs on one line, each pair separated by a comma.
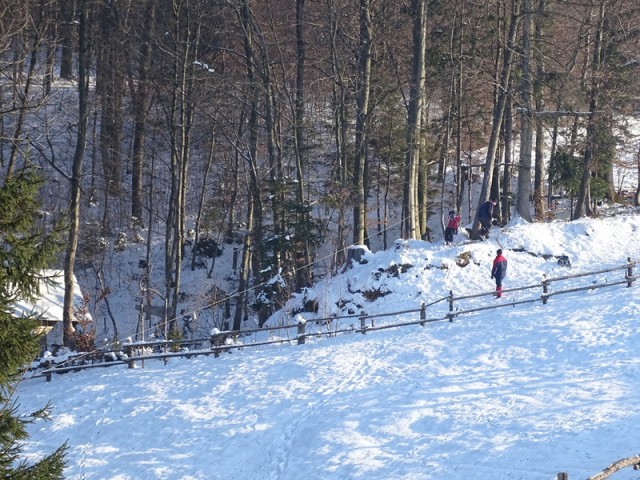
[[538, 92], [462, 175], [552, 154], [384, 187], [455, 82], [104, 288], [252, 255], [583, 193], [67, 42], [23, 108], [257, 215], [203, 193], [526, 118], [303, 272], [186, 39], [340, 97], [52, 21], [636, 201], [498, 113], [140, 104], [508, 161], [362, 112], [276, 173], [245, 268], [443, 163], [411, 205], [538, 178], [110, 86], [423, 182], [76, 177], [496, 187], [234, 184]]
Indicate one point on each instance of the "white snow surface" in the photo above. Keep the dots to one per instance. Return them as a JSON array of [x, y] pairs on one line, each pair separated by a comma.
[[518, 392]]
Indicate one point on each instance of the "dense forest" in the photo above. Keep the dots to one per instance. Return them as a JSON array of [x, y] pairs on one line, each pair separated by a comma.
[[294, 126]]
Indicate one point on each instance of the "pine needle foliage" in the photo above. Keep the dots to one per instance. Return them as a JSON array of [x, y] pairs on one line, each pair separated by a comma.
[[25, 251]]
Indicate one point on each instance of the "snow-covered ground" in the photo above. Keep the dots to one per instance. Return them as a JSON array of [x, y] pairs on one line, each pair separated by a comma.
[[520, 392]]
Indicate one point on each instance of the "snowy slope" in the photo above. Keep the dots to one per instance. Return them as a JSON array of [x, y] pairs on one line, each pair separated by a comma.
[[520, 392]]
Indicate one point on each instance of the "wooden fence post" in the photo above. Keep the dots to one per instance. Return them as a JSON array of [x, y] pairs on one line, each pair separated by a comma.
[[451, 306], [131, 363], [301, 326], [629, 272], [363, 325], [423, 313], [216, 342], [545, 290]]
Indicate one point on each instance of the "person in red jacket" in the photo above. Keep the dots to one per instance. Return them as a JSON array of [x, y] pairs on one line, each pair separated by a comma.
[[453, 224], [499, 271]]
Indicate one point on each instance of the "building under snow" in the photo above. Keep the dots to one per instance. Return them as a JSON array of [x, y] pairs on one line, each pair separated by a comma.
[[49, 306]]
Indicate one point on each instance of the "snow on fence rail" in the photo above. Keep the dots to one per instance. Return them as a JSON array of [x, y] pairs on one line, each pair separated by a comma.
[[222, 341]]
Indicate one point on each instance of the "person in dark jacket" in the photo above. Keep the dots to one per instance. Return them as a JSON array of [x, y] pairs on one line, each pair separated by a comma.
[[485, 215], [499, 271]]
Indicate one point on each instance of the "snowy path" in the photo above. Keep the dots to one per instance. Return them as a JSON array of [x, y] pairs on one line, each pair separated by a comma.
[[517, 393]]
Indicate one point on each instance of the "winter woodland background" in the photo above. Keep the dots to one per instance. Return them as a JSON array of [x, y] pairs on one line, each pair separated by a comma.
[[276, 134], [214, 160]]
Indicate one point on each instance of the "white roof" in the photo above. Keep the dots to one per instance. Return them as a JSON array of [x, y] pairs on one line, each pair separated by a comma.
[[51, 301]]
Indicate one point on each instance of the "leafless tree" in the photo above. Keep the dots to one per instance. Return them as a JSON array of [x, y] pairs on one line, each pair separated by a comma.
[[499, 109], [77, 169], [413, 227]]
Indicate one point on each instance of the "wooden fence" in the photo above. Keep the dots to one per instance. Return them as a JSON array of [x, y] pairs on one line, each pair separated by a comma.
[[616, 466], [133, 353]]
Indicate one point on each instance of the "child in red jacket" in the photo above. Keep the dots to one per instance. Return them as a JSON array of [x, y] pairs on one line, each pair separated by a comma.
[[499, 271], [452, 226]]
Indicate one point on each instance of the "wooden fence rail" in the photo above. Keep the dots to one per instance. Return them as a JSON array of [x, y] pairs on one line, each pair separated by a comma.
[[616, 466], [223, 341]]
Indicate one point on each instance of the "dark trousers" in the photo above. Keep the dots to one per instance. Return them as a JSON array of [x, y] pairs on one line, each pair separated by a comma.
[[485, 222], [448, 234]]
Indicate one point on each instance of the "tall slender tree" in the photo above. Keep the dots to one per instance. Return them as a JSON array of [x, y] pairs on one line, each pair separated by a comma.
[[67, 37], [363, 90], [582, 202], [498, 111], [538, 94], [76, 173], [110, 89], [411, 203], [526, 115], [636, 198], [140, 93], [339, 188], [252, 245], [303, 270]]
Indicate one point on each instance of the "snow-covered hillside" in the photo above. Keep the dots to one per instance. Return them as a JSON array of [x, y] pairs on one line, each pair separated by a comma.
[[416, 272], [112, 277], [522, 392]]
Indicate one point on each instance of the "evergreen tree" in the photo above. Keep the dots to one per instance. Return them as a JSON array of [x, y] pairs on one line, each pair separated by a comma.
[[565, 171], [25, 251]]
